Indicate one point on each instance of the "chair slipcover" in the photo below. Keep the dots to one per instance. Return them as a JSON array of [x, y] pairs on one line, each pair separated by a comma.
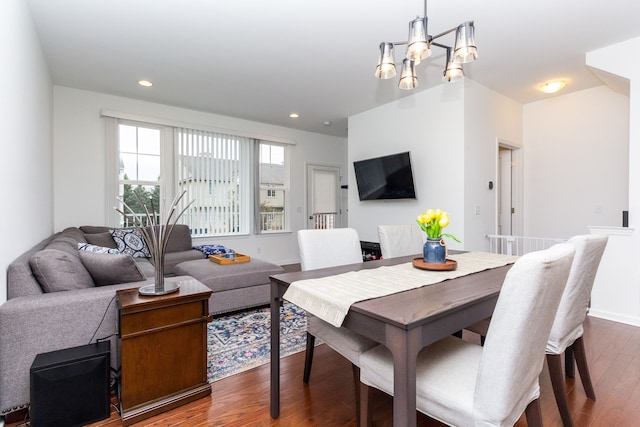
[[574, 304], [400, 240], [567, 330], [329, 248], [463, 384], [349, 344]]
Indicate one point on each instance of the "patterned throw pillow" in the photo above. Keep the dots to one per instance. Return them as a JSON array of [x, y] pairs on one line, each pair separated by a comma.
[[130, 242], [208, 250], [88, 247]]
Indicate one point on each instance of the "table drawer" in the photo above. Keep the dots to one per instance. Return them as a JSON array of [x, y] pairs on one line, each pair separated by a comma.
[[146, 320]]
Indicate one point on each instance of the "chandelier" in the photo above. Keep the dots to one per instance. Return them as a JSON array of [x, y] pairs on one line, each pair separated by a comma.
[[419, 48]]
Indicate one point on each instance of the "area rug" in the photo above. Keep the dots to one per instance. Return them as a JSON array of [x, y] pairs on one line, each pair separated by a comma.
[[239, 342]]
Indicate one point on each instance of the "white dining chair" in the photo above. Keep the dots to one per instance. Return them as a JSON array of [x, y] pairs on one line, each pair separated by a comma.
[[330, 248], [463, 384], [400, 240], [567, 332], [566, 336]]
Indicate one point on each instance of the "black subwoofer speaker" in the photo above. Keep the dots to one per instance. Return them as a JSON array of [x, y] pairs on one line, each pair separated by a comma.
[[70, 387]]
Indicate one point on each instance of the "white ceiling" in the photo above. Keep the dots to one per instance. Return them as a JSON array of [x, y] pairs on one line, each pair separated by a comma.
[[263, 59]]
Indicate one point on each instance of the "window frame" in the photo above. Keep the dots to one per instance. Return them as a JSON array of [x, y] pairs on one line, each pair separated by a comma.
[[286, 188], [168, 184], [113, 181]]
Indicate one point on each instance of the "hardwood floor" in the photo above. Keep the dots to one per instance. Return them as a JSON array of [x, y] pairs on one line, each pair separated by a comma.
[[613, 351]]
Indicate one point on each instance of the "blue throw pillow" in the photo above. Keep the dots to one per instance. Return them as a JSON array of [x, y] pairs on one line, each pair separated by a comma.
[[208, 250]]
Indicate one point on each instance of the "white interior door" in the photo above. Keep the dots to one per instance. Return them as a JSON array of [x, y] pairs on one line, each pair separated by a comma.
[[505, 188], [323, 191]]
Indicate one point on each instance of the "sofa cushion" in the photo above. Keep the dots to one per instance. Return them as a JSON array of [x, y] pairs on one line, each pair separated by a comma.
[[94, 229], [73, 233], [88, 247], [146, 268], [110, 269], [180, 239], [59, 271], [66, 245], [130, 241], [220, 278], [171, 259], [67, 241], [101, 239]]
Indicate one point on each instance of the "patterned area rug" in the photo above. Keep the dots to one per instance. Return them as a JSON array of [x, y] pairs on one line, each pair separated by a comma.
[[239, 342]]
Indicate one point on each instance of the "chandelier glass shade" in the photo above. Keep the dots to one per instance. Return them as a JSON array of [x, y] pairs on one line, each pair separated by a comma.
[[386, 68], [453, 71], [408, 78], [465, 48], [419, 46]]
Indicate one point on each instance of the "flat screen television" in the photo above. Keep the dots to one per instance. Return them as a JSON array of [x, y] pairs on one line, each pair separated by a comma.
[[385, 178]]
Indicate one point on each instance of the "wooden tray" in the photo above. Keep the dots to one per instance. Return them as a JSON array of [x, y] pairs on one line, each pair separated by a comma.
[[449, 264], [223, 260]]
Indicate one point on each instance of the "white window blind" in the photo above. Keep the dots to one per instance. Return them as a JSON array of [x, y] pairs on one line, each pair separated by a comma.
[[215, 169]]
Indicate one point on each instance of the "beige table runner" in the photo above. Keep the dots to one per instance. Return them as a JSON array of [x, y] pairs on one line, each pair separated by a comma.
[[329, 298]]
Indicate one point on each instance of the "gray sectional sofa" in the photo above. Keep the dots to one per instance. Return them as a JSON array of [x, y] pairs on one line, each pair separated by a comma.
[[61, 297]]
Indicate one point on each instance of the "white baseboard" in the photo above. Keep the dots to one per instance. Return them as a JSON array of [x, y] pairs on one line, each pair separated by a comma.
[[629, 320]]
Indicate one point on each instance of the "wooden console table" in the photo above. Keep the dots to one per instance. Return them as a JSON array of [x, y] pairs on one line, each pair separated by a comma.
[[163, 349]]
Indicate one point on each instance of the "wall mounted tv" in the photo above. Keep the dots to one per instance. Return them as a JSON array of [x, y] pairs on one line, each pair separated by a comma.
[[384, 178]]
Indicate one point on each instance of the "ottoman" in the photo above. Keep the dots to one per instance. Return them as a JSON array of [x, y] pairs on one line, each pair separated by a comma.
[[235, 286]]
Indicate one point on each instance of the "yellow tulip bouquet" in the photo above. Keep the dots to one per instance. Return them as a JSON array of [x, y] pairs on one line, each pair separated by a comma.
[[433, 221]]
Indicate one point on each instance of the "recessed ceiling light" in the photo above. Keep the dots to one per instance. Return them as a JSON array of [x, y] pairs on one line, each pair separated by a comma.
[[552, 86], [294, 115], [327, 123], [145, 83]]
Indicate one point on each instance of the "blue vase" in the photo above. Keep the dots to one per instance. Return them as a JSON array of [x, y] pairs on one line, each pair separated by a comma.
[[434, 251]]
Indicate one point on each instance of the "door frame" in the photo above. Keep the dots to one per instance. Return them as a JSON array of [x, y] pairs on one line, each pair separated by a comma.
[[517, 185], [309, 167]]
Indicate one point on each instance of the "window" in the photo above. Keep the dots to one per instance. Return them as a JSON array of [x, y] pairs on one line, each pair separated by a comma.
[[139, 171], [227, 176], [215, 170], [273, 187]]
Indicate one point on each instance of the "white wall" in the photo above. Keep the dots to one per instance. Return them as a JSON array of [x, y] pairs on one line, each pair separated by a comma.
[[79, 163], [488, 117], [578, 156], [616, 294], [576, 170], [451, 131], [25, 114], [422, 124]]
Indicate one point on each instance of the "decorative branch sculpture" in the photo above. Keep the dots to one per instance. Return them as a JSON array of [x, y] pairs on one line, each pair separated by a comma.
[[156, 235]]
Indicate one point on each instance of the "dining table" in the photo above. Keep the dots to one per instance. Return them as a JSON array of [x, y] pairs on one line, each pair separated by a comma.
[[405, 322]]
